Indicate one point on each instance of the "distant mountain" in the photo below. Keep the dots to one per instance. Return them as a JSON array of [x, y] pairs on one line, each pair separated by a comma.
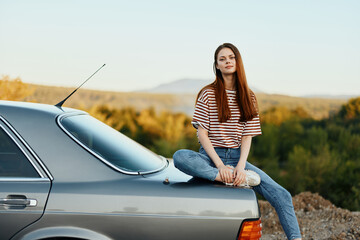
[[328, 96], [183, 86]]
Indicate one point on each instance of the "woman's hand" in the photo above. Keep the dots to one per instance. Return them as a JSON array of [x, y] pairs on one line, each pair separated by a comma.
[[240, 176], [226, 174]]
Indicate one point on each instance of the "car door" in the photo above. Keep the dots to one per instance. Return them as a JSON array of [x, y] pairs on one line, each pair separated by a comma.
[[24, 186]]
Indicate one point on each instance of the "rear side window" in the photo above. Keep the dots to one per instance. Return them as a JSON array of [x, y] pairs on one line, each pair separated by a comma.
[[13, 162], [111, 146]]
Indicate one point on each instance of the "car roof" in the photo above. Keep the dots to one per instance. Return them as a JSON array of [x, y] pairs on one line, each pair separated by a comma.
[[8, 108]]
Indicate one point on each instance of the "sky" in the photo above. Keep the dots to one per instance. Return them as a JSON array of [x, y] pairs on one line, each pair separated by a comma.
[[288, 47]]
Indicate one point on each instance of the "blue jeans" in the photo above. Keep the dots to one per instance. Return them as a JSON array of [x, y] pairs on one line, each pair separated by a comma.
[[199, 164]]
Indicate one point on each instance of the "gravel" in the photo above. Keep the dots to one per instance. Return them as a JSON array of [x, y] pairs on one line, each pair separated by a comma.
[[318, 219]]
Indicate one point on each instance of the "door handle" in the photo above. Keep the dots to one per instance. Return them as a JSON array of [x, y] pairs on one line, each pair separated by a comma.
[[17, 201]]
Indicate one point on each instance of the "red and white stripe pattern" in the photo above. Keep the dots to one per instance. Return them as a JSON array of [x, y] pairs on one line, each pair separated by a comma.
[[227, 134]]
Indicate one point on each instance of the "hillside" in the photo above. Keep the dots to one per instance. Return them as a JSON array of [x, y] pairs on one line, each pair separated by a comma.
[[316, 107], [184, 86], [87, 98]]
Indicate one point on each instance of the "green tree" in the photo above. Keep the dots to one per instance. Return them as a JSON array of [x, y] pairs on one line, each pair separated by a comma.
[[279, 114], [315, 139], [351, 110], [265, 150], [344, 187], [291, 133], [311, 172]]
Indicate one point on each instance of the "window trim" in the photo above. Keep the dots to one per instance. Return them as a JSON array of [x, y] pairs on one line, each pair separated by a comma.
[[65, 115], [22, 179], [42, 177]]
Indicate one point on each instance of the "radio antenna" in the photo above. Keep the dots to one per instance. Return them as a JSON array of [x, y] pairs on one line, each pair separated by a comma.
[[63, 101]]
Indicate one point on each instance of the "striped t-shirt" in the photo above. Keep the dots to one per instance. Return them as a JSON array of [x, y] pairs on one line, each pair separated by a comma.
[[226, 134]]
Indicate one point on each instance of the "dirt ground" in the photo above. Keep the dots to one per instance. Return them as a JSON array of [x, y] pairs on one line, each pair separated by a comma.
[[318, 219]]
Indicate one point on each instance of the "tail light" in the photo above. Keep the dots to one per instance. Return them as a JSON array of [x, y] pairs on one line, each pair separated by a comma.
[[250, 230]]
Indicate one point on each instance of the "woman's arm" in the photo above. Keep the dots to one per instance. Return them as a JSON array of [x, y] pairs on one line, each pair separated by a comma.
[[239, 170], [225, 174]]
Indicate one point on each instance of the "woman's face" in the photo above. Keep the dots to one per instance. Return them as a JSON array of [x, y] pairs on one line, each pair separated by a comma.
[[226, 61]]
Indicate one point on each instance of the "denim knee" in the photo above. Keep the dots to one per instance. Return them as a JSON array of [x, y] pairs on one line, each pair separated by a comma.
[[179, 157], [289, 198], [195, 164], [285, 196], [285, 193]]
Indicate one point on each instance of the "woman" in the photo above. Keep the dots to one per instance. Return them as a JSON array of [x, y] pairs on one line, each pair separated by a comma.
[[226, 118]]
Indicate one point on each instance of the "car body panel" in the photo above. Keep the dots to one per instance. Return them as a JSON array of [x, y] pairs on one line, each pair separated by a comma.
[[13, 218], [152, 210]]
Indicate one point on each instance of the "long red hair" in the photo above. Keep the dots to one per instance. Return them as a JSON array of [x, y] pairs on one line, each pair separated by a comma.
[[245, 97]]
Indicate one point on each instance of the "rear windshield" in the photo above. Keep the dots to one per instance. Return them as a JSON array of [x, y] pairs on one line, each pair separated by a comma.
[[111, 146]]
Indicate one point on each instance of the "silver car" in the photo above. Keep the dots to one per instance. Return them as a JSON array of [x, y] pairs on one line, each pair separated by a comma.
[[66, 175]]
